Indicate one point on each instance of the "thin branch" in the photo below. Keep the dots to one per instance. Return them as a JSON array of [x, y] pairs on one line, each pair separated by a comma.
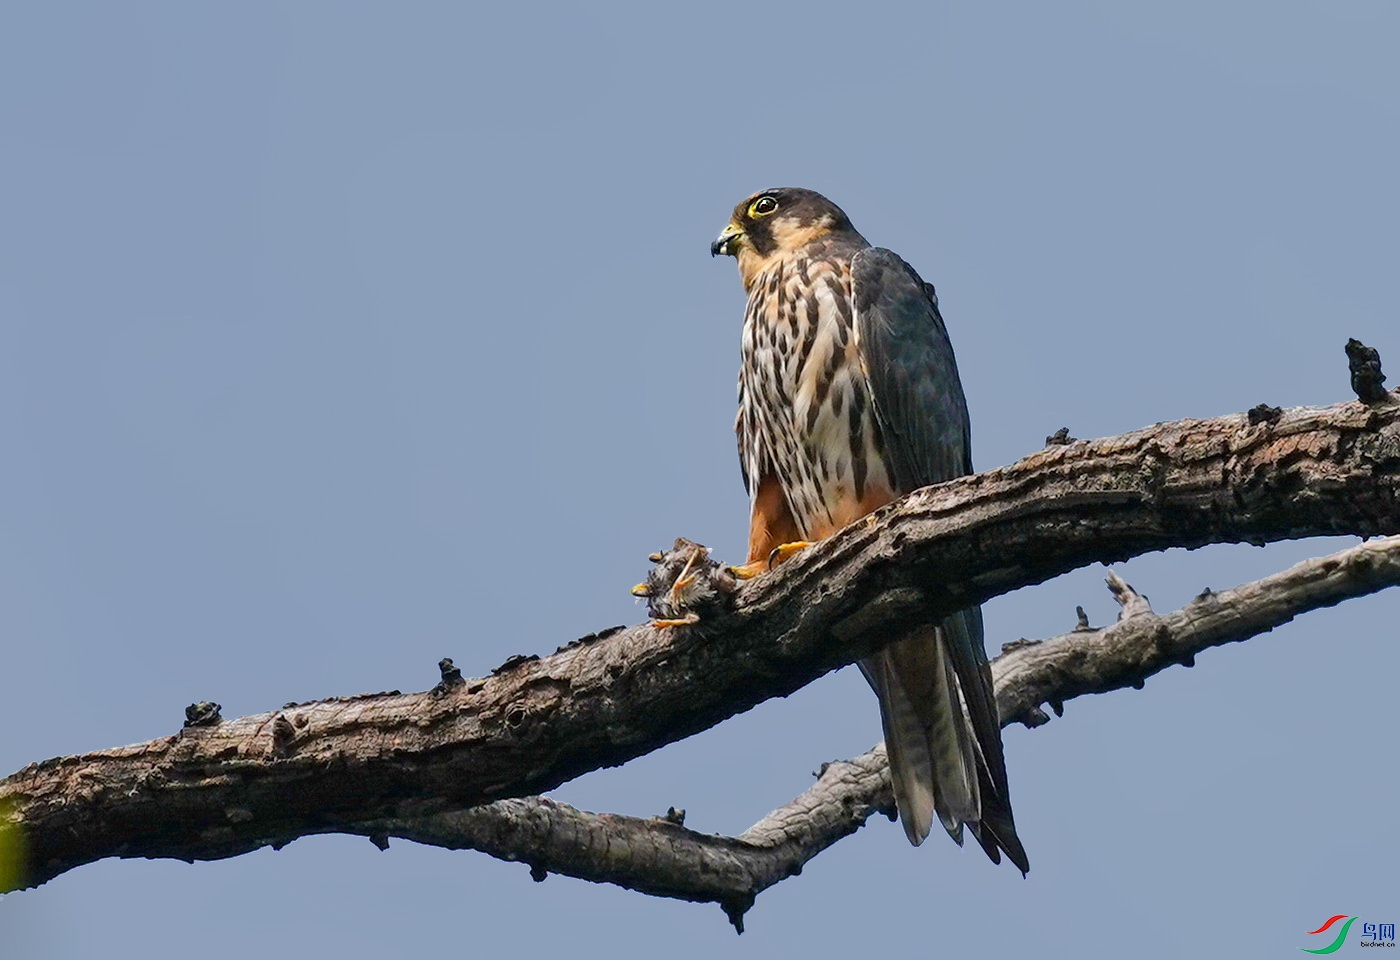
[[658, 856], [1143, 644], [220, 788]]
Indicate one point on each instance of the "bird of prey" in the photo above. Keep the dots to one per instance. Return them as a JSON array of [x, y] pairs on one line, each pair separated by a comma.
[[849, 398]]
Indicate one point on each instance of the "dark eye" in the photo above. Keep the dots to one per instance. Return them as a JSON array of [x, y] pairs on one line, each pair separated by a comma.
[[762, 207]]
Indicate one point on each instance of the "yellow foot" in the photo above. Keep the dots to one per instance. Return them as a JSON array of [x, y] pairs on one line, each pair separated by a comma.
[[750, 570], [685, 621], [780, 553], [783, 551]]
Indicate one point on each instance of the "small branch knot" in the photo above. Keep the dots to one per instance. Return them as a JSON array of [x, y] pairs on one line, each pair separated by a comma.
[[588, 638], [1264, 414], [1366, 377], [1133, 603], [735, 908], [451, 676], [283, 733], [202, 714], [1022, 642], [514, 661]]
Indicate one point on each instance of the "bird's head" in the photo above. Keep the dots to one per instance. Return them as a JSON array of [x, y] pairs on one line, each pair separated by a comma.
[[774, 223]]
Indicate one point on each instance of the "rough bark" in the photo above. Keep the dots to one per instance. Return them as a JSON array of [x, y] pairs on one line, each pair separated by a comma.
[[660, 857], [219, 788]]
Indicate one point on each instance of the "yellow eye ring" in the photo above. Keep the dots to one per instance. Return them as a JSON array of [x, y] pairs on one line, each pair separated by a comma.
[[763, 206]]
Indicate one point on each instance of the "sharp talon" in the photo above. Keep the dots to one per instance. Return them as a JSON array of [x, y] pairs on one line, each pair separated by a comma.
[[685, 621], [779, 553], [783, 551], [641, 590]]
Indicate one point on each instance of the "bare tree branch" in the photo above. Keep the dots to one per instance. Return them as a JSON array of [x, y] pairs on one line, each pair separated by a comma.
[[660, 857], [217, 789]]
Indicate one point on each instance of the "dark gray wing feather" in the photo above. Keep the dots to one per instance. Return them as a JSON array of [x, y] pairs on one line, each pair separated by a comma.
[[919, 403], [912, 374]]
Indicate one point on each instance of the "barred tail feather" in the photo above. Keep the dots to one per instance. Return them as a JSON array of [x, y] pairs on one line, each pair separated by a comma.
[[942, 735]]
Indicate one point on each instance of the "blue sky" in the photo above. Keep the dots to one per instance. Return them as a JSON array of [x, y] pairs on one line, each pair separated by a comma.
[[319, 319]]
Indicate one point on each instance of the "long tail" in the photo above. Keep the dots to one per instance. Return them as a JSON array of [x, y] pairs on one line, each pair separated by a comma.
[[943, 736]]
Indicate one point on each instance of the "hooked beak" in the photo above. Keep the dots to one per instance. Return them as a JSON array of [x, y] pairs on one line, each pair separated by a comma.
[[725, 244]]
